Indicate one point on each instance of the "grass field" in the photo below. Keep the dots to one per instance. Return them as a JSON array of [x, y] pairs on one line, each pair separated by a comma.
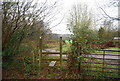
[[54, 45], [110, 52], [112, 48]]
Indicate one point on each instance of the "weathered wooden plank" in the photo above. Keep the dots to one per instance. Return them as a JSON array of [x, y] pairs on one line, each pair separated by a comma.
[[54, 59], [103, 54], [40, 53], [100, 63], [99, 67], [61, 53], [104, 58], [103, 76], [53, 53], [110, 50], [101, 71]]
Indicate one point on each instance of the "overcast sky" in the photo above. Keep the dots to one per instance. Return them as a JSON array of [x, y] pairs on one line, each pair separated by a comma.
[[93, 6]]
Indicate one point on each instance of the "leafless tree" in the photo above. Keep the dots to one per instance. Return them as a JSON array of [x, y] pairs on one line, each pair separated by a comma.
[[22, 18], [115, 4], [112, 3]]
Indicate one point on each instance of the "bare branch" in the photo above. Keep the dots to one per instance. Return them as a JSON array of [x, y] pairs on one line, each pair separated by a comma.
[[113, 18]]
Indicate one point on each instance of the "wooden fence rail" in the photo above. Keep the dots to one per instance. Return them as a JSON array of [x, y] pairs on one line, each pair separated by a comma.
[[41, 54], [103, 62]]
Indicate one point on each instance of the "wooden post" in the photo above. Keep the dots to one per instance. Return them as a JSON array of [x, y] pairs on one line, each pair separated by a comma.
[[40, 54], [33, 59], [60, 53], [119, 64], [103, 63]]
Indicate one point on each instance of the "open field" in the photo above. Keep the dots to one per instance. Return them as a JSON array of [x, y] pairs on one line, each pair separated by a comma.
[[54, 45], [109, 52]]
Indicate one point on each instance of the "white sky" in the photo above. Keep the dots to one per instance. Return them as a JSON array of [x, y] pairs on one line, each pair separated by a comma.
[[67, 5], [92, 5]]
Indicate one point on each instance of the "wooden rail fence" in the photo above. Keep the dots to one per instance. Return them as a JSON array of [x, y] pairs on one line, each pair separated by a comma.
[[60, 53], [103, 61]]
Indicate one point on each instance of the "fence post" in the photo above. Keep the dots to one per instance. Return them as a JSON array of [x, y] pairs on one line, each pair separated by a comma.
[[103, 63], [40, 54], [33, 59], [118, 63], [60, 53]]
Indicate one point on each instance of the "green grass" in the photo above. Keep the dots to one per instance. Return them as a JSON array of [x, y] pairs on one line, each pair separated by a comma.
[[54, 45], [92, 66], [51, 43], [112, 48], [109, 52]]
